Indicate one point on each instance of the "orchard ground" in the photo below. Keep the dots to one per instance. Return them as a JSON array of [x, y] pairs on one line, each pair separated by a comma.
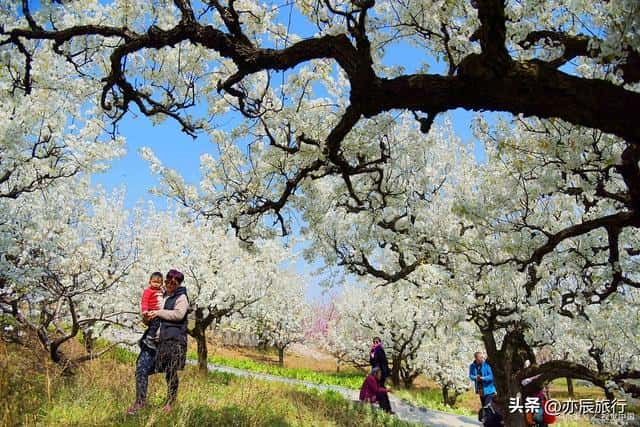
[[425, 393], [35, 392]]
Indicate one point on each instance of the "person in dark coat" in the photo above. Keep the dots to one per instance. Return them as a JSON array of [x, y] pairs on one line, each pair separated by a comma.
[[171, 354], [378, 358]]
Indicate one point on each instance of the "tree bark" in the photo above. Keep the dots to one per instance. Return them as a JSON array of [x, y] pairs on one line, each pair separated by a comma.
[[281, 357], [203, 353], [448, 398], [408, 378], [199, 334], [395, 371], [89, 341], [570, 387], [505, 364]]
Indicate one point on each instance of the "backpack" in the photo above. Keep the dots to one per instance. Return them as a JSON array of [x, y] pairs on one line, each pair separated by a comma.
[[534, 418], [492, 418], [539, 417]]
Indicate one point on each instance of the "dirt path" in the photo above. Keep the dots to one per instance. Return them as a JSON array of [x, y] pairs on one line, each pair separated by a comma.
[[404, 410]]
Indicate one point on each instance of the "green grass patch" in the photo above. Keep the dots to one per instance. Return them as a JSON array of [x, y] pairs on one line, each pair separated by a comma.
[[123, 355], [352, 380], [432, 399], [426, 398]]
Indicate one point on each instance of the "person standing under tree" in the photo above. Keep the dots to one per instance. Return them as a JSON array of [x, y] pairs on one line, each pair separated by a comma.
[[481, 374], [171, 353], [378, 358]]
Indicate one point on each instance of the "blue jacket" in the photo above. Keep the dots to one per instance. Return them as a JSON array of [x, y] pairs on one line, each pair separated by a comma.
[[488, 387]]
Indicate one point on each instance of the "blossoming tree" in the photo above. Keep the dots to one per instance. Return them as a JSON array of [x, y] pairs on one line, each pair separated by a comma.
[[71, 250]]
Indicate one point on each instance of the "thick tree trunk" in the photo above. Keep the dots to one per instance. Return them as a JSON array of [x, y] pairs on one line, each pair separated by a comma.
[[281, 357], [448, 398], [505, 364], [203, 353], [199, 334], [395, 372], [508, 387]]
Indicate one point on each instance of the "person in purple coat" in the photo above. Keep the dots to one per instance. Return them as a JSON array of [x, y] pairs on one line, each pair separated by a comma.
[[372, 392]]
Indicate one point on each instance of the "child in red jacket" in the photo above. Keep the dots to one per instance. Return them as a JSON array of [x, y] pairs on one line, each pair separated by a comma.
[[152, 300]]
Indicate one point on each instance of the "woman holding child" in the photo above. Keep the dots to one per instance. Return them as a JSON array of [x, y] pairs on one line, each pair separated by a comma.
[[168, 351]]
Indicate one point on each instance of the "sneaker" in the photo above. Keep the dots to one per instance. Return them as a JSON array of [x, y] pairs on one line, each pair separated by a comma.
[[135, 408]]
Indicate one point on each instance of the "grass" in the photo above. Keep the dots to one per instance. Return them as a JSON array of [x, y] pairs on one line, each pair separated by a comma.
[[428, 395], [352, 380], [431, 398], [33, 393]]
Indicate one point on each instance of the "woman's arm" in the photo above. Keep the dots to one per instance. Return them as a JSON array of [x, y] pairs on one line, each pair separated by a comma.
[[178, 312]]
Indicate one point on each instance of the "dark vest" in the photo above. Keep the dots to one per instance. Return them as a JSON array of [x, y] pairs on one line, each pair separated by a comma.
[[174, 330]]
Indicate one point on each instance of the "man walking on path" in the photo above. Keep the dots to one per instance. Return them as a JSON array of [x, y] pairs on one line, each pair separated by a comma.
[[481, 374]]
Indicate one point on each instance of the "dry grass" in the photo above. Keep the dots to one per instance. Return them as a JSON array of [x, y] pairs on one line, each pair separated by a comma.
[[326, 363], [35, 394]]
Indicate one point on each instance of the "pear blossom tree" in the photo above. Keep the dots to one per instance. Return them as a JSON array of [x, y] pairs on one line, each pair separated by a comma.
[[73, 248], [53, 133], [574, 61], [446, 356], [543, 230], [279, 316], [347, 340], [416, 333], [524, 238]]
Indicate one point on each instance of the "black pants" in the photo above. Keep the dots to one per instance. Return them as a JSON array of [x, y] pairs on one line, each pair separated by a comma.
[[484, 401], [383, 401], [383, 398], [145, 366]]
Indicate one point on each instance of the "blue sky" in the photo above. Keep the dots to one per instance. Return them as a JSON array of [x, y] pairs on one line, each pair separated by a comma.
[[180, 151]]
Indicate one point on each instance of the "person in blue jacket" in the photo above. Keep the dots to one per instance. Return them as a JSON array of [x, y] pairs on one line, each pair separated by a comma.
[[481, 374]]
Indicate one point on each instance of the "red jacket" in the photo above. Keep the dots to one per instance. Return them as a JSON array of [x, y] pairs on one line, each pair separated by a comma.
[[151, 299], [370, 390]]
